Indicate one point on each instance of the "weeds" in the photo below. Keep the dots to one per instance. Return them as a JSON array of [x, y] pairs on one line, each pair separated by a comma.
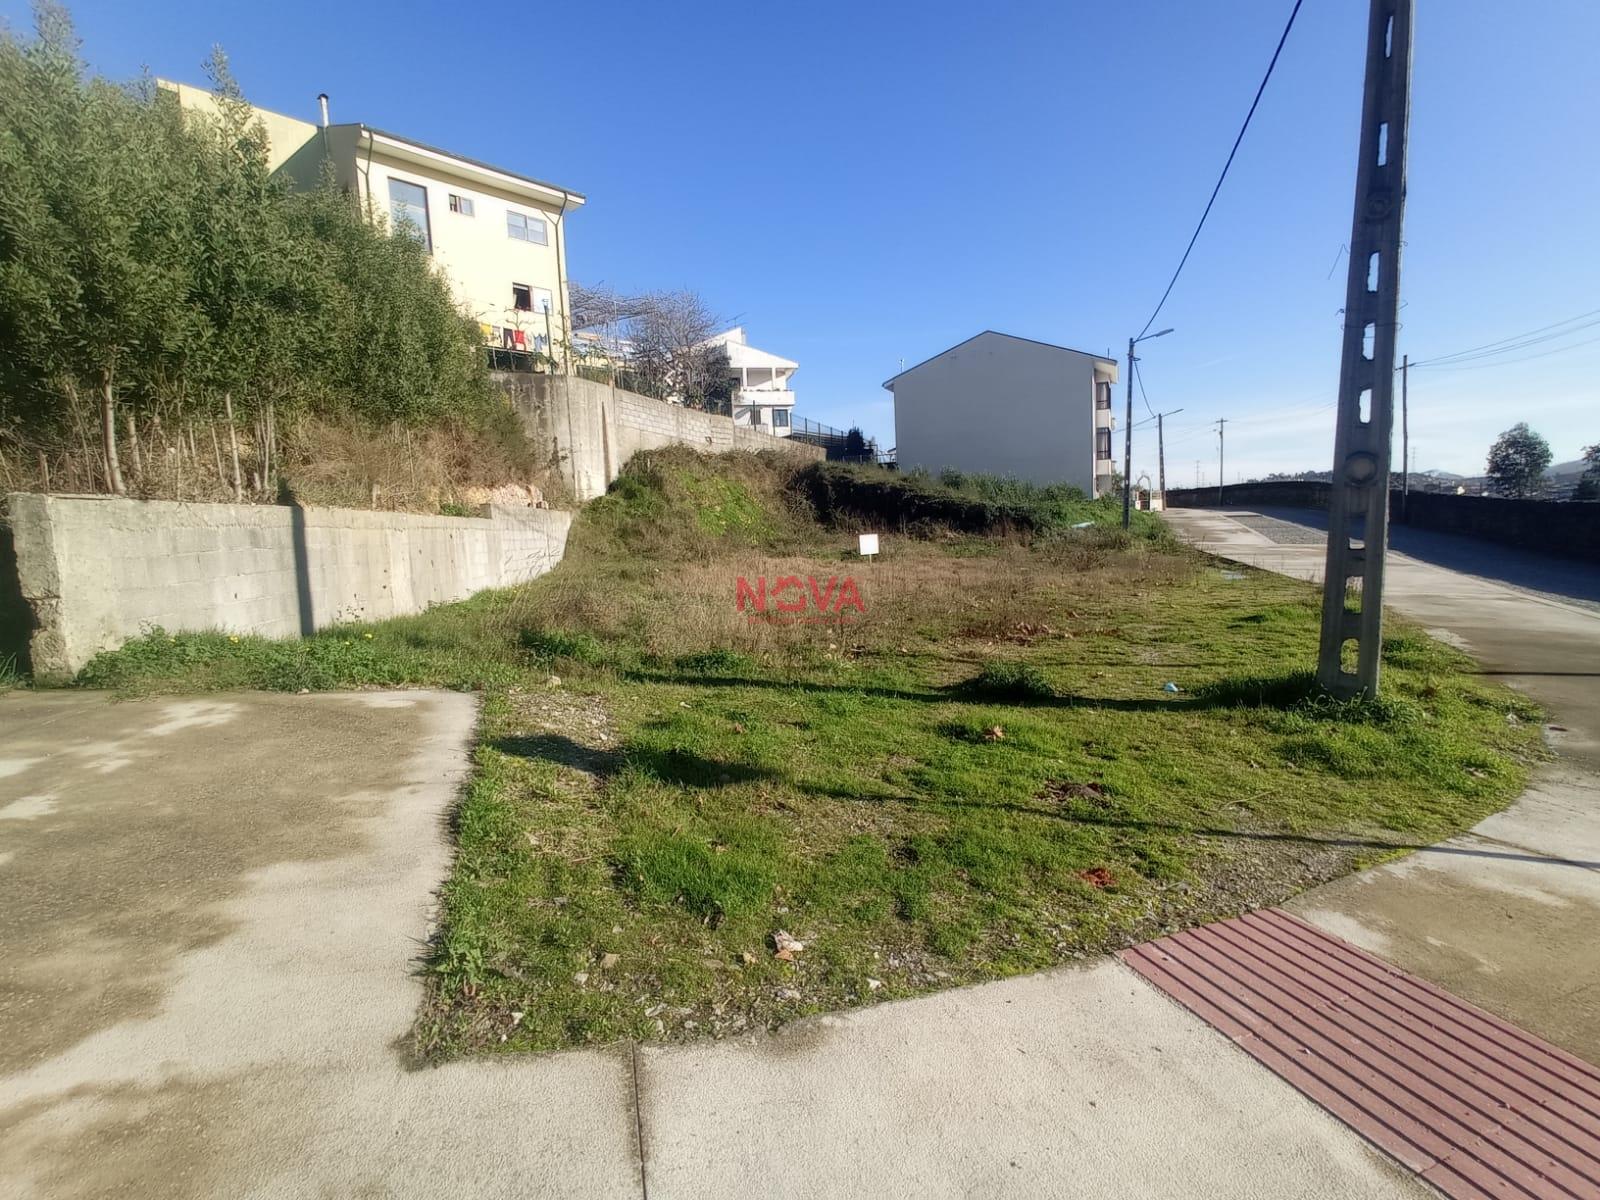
[[1013, 681]]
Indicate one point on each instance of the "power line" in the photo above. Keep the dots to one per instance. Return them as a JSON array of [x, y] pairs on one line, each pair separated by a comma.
[[1504, 346], [1293, 13], [1506, 362], [1140, 377], [1510, 347]]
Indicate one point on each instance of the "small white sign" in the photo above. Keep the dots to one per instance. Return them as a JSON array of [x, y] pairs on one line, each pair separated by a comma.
[[869, 544]]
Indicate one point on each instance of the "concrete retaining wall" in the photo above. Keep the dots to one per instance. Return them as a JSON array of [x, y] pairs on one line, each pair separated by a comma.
[[95, 571], [590, 430], [1570, 529]]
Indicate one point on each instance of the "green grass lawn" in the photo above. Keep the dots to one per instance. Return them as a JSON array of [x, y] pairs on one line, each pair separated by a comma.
[[980, 774]]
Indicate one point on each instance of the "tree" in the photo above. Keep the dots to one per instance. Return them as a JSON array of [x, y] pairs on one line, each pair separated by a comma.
[[664, 342], [94, 261], [1517, 461], [152, 267], [1589, 485], [669, 354]]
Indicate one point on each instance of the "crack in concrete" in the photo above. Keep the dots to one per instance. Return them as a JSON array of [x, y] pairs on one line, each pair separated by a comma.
[[638, 1122]]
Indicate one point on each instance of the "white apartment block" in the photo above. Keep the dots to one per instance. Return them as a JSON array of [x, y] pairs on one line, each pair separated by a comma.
[[1002, 405]]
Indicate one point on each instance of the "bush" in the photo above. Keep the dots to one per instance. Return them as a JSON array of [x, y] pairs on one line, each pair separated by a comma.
[[547, 645], [914, 502], [1011, 681]]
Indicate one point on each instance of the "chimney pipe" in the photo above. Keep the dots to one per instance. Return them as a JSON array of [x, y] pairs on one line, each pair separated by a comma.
[[322, 99]]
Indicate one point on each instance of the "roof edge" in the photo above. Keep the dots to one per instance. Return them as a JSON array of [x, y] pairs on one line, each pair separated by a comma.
[[1100, 358]]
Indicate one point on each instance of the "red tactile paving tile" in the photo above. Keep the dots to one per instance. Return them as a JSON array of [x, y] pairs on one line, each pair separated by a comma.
[[1476, 1106]]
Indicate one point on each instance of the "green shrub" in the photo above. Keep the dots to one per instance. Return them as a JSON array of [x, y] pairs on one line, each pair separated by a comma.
[[547, 645], [715, 662], [1011, 681]]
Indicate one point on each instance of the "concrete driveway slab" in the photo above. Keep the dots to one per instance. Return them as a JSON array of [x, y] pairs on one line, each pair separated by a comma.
[[214, 909]]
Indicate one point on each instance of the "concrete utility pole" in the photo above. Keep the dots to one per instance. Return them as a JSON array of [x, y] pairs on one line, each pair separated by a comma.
[[1358, 505], [1221, 478], [1127, 446], [1161, 459]]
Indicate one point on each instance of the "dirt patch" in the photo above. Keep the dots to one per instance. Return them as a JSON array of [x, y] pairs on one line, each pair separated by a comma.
[[572, 730], [1084, 793]]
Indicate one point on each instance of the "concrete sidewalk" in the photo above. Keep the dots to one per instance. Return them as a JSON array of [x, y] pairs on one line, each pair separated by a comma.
[[213, 913], [1504, 916]]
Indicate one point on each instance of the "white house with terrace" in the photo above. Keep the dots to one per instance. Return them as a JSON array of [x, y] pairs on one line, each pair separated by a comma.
[[763, 397]]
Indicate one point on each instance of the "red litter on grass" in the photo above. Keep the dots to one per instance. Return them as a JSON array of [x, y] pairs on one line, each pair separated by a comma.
[[1099, 877]]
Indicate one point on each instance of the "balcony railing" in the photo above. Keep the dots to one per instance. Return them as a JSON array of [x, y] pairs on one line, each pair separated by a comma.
[[764, 396]]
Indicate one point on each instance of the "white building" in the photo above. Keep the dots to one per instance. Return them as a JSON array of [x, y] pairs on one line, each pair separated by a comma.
[[1002, 405], [763, 396]]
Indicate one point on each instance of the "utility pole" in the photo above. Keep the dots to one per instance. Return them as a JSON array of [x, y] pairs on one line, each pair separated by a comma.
[[1197, 474], [1405, 436], [1161, 453], [1161, 459], [1358, 505], [1127, 430], [1221, 478], [1127, 446]]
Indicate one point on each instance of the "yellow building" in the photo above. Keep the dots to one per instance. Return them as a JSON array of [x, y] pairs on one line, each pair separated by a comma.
[[499, 238]]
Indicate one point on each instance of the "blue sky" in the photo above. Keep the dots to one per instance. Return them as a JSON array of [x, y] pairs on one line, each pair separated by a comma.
[[861, 184]]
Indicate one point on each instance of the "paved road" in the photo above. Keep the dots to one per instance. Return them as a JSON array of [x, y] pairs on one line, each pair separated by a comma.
[[212, 912], [1506, 915]]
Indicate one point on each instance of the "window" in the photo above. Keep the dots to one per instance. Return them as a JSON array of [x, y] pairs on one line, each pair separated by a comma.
[[408, 210], [1102, 395], [1102, 444], [521, 297], [462, 205], [780, 418], [542, 300], [525, 228]]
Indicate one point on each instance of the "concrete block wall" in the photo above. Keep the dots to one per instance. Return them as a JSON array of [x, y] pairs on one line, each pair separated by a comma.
[[96, 570], [590, 430]]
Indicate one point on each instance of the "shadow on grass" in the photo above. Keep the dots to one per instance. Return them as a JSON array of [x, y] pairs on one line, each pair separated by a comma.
[[557, 748], [670, 765], [956, 694], [1293, 690], [888, 795]]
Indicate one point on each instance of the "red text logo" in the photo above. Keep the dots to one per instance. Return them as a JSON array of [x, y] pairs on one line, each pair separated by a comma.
[[792, 600]]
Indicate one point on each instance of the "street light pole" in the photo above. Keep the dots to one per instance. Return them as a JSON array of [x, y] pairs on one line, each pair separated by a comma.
[[1127, 432]]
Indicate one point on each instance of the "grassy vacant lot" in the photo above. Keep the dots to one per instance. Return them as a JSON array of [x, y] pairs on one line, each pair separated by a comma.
[[979, 774]]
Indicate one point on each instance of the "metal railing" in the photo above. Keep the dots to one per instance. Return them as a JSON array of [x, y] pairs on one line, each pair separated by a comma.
[[837, 443]]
